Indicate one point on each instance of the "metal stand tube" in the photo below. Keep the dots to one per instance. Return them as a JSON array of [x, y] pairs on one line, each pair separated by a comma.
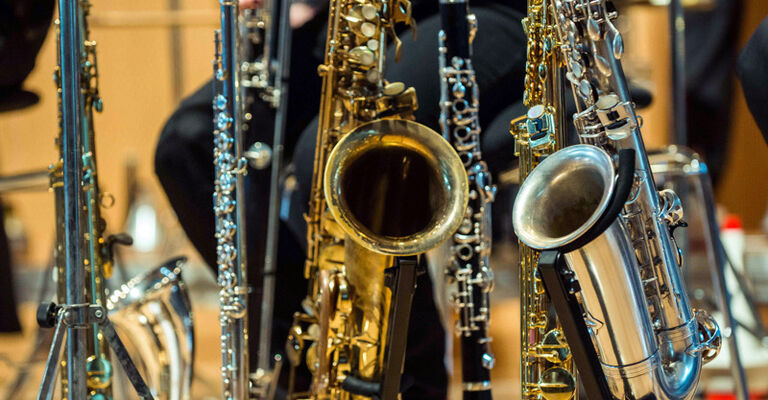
[[273, 216], [71, 120], [723, 295]]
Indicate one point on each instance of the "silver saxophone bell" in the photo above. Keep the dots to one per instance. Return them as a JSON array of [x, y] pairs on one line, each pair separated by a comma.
[[153, 315], [569, 203]]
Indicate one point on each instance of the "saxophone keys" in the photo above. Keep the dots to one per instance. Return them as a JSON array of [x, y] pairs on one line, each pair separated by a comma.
[[557, 384], [362, 55], [554, 348]]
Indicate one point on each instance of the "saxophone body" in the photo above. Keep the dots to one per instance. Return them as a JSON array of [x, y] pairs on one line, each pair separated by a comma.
[[152, 313], [470, 269], [94, 250], [383, 187], [546, 367], [649, 341]]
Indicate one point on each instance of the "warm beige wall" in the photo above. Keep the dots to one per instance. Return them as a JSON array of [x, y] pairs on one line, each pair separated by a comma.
[[135, 83], [647, 63], [744, 187]]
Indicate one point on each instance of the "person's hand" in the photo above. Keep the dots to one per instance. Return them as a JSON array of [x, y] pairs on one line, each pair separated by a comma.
[[300, 14], [250, 3]]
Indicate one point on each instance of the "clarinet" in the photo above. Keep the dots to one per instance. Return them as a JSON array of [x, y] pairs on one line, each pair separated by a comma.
[[469, 268], [228, 206]]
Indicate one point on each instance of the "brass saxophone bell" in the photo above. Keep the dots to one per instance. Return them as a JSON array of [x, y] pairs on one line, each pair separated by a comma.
[[396, 187]]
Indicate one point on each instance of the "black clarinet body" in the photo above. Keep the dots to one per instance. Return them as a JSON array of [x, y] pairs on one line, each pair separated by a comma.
[[469, 269]]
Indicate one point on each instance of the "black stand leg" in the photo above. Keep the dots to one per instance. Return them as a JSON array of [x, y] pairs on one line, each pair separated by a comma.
[[80, 316], [561, 286], [401, 279]]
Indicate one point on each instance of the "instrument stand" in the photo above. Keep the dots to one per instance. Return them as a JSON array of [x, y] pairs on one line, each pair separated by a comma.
[[81, 316], [401, 279], [717, 271], [561, 286]]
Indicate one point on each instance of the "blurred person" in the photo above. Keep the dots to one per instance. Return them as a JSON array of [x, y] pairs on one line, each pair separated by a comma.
[[23, 27], [710, 57], [752, 70]]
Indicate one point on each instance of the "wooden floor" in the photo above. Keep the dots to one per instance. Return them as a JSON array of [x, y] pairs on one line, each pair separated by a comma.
[[15, 349]]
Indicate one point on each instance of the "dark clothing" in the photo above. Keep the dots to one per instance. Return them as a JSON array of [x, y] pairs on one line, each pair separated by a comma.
[[23, 26], [710, 56], [9, 319], [184, 165], [752, 69]]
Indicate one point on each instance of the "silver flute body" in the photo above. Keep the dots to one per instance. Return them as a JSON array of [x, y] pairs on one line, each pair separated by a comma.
[[470, 268], [651, 343], [229, 206]]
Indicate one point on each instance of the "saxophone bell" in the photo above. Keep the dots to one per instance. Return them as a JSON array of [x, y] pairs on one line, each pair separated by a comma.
[[396, 187], [571, 203]]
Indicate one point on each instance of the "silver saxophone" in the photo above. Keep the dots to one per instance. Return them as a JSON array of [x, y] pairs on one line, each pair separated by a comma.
[[470, 269], [153, 314], [229, 166], [649, 341]]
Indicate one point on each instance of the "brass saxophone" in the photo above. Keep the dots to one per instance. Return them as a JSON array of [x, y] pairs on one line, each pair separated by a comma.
[[383, 186], [618, 260], [546, 368]]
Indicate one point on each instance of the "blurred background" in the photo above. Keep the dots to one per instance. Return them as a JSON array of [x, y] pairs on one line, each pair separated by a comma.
[[151, 54]]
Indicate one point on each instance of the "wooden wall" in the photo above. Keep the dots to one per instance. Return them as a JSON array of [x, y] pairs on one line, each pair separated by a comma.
[[140, 90], [137, 85], [744, 187]]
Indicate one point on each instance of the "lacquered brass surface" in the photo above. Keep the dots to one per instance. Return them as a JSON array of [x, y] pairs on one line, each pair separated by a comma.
[[382, 186], [546, 369], [395, 187]]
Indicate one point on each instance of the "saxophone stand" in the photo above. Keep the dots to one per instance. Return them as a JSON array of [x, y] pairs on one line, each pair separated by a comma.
[[680, 136], [401, 279], [561, 286], [82, 316], [267, 373], [78, 314]]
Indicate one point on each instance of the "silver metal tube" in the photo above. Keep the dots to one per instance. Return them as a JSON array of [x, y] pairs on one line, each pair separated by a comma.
[[264, 360], [71, 121], [723, 295], [31, 181], [229, 207]]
